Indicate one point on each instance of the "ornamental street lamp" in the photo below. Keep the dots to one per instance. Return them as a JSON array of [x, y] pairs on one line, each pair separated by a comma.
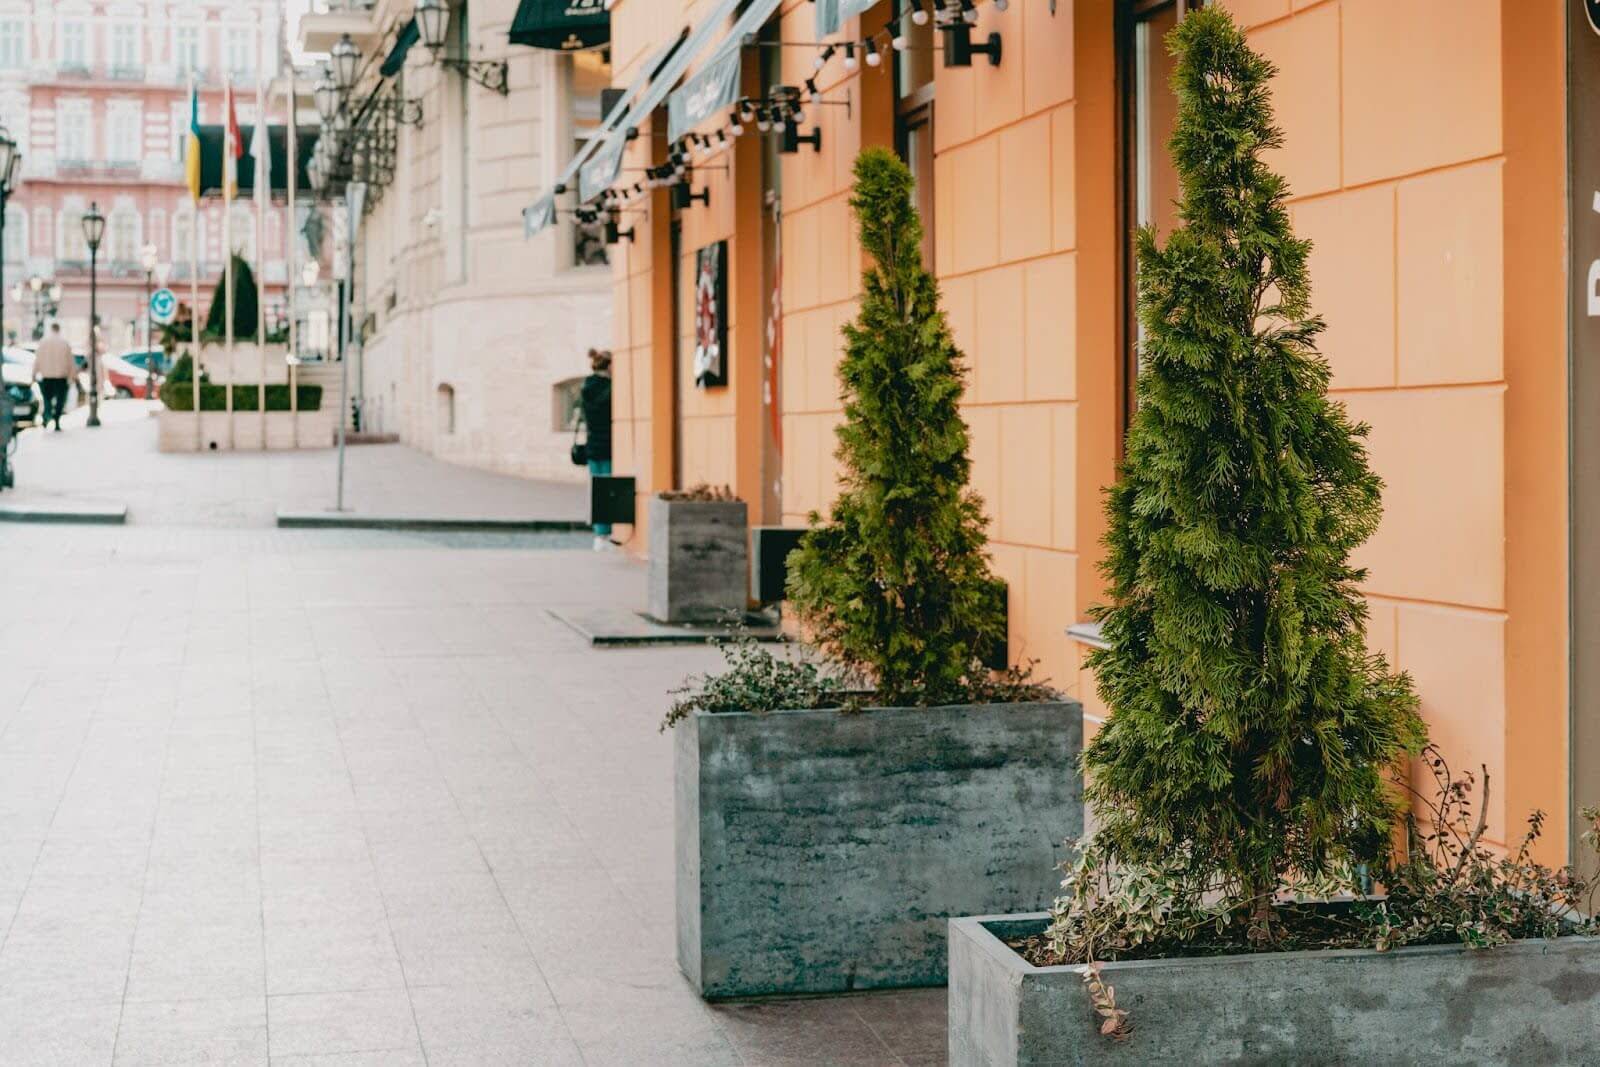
[[346, 58], [94, 228], [433, 22], [147, 259], [326, 96]]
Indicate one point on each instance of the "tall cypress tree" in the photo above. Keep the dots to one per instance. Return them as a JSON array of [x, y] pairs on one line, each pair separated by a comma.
[[244, 303], [897, 585], [1249, 728]]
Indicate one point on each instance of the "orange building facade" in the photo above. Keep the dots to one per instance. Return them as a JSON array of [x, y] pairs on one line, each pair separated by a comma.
[[1427, 149]]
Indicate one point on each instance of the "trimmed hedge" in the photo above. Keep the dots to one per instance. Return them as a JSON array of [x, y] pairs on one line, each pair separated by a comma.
[[179, 396]]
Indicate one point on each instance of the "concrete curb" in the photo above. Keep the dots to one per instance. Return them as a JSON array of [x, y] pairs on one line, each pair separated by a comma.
[[66, 514], [609, 627], [333, 520]]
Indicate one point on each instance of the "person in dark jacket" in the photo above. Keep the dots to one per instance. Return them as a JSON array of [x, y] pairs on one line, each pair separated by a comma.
[[595, 401]]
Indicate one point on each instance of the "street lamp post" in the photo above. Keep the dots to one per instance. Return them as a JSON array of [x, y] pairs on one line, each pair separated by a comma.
[[147, 259], [94, 228], [9, 158]]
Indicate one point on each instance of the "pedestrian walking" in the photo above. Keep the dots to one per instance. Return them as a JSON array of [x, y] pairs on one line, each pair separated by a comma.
[[594, 401], [53, 369]]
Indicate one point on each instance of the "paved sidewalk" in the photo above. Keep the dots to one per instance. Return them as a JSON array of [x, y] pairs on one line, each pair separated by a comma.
[[350, 797], [118, 463]]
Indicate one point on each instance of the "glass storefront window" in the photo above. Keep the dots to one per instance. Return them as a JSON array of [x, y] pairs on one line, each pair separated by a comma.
[[914, 66], [1150, 183]]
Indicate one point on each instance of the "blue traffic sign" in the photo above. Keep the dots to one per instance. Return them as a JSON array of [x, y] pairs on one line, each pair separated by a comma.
[[163, 306]]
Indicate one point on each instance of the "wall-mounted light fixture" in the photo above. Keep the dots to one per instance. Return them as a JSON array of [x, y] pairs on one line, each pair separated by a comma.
[[614, 233], [433, 21], [683, 196], [959, 49]]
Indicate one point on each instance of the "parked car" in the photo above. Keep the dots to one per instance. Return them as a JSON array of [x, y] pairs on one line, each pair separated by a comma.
[[16, 370], [128, 374]]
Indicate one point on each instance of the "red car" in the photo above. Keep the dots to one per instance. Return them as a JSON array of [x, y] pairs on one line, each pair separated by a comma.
[[128, 374]]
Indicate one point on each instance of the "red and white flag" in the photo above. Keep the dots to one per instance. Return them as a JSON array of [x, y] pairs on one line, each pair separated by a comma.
[[232, 150]]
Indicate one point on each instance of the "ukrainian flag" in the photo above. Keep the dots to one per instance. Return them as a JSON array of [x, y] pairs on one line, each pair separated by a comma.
[[191, 148]]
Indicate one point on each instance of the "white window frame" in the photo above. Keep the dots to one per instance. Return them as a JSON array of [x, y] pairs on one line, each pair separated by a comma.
[[180, 67], [72, 108], [115, 33], [18, 43], [124, 218], [239, 43], [16, 233], [82, 26], [124, 131]]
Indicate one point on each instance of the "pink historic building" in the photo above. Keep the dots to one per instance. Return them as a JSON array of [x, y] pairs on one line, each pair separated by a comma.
[[96, 94]]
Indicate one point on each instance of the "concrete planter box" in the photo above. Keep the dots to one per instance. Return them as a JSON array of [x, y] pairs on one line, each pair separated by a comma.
[[699, 559], [245, 431], [1527, 1002], [821, 851]]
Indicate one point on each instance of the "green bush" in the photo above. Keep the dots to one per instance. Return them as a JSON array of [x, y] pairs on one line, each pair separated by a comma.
[[179, 396], [896, 587], [1250, 730]]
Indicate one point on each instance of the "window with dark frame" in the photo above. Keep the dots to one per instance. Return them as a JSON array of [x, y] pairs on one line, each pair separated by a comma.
[[1149, 181], [913, 127]]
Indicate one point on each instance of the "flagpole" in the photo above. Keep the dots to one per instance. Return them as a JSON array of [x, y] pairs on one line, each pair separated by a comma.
[[193, 144], [263, 169], [230, 170], [292, 237]]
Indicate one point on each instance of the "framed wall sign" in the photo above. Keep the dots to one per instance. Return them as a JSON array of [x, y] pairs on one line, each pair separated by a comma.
[[711, 315]]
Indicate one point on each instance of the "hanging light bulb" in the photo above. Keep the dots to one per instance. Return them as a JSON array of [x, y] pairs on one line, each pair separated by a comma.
[[1001, 5], [969, 11], [850, 62], [919, 13], [873, 58], [763, 123], [899, 42], [735, 127], [822, 58]]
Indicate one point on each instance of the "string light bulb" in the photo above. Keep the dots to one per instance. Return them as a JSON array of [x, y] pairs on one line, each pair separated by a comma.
[[969, 11], [822, 58], [1001, 5], [874, 59], [763, 123], [850, 61], [919, 13]]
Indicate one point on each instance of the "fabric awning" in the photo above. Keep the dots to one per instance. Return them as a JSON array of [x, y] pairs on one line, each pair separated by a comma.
[[537, 216], [716, 84], [397, 55], [832, 14], [277, 137], [601, 170], [565, 25]]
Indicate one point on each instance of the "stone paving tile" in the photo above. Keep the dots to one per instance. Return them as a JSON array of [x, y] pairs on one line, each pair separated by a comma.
[[183, 1032], [304, 1024]]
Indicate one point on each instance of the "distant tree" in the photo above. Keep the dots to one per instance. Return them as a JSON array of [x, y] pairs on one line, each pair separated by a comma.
[[244, 303]]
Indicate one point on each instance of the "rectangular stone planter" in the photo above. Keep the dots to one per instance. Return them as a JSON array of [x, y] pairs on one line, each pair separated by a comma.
[[243, 430], [699, 560], [823, 851], [1527, 1002]]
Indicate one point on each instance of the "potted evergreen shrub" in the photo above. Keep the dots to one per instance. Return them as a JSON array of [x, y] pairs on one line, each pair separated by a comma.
[[831, 815], [699, 570], [1241, 900]]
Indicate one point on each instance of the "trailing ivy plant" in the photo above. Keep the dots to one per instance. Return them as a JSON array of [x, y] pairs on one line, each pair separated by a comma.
[[755, 678], [896, 585], [1250, 729]]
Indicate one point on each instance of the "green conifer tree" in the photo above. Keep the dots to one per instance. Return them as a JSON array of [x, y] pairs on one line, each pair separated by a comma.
[[244, 303], [897, 586], [1250, 731]]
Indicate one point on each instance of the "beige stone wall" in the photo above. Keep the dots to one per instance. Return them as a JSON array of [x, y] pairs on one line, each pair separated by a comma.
[[458, 297]]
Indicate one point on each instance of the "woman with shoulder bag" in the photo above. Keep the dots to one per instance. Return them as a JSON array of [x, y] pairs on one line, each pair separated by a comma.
[[594, 400]]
